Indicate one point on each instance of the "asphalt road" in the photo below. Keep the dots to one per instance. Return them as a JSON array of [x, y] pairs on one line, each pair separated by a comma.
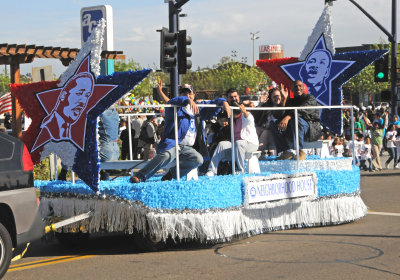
[[365, 249]]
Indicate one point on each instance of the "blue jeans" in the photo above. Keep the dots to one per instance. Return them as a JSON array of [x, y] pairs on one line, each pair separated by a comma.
[[286, 140], [109, 150], [109, 125], [392, 155], [189, 159], [108, 134], [363, 164]]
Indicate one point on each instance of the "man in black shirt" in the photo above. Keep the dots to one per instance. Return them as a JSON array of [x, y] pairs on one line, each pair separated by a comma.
[[309, 127]]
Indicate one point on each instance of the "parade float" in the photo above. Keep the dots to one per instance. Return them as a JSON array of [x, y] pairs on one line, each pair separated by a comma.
[[283, 194]]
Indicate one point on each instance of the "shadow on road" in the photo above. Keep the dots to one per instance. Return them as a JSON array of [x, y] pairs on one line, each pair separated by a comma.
[[336, 234], [110, 244]]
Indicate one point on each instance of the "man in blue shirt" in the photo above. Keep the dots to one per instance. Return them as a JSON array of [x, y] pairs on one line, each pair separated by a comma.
[[191, 135]]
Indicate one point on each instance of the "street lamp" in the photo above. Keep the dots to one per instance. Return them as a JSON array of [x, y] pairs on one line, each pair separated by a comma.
[[253, 38], [234, 55]]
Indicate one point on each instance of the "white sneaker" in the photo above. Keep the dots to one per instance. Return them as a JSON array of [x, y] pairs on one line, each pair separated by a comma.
[[396, 166], [209, 173]]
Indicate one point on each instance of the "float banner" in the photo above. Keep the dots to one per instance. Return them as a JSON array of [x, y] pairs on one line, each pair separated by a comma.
[[284, 186]]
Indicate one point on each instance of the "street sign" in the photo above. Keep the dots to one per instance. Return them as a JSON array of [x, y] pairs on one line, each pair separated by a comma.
[[89, 18], [270, 48]]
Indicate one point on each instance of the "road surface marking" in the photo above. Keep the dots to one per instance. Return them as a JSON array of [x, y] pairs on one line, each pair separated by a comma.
[[45, 262], [384, 213]]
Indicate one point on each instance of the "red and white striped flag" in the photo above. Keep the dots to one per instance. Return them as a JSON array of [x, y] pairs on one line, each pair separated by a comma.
[[5, 103]]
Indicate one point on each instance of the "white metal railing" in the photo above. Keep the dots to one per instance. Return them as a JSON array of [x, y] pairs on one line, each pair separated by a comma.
[[296, 126], [232, 128], [129, 115]]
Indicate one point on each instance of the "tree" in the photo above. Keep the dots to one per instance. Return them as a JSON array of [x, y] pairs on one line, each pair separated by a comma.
[[364, 83], [145, 88], [4, 82], [228, 75], [224, 75]]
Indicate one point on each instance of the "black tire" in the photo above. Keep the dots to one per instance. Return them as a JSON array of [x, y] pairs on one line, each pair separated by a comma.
[[5, 250]]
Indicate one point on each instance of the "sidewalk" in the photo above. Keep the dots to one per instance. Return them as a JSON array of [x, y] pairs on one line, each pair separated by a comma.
[[388, 171]]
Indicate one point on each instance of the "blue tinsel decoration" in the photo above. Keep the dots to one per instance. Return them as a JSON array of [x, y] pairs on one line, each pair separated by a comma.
[[206, 193], [86, 163], [333, 118]]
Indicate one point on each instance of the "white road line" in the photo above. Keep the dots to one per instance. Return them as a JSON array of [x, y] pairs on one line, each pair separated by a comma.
[[384, 213]]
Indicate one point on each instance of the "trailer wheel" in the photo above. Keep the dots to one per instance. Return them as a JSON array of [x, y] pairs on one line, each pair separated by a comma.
[[5, 250]]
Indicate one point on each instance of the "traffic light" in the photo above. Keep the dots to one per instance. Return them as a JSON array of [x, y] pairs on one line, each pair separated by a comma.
[[167, 49], [382, 69], [183, 52]]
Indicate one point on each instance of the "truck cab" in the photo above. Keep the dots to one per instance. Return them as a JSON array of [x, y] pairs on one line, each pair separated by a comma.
[[20, 220]]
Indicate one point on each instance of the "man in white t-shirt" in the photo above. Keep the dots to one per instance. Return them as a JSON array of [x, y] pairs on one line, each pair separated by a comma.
[[245, 136]]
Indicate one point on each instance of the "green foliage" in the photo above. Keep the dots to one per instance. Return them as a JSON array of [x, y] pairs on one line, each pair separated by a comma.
[[228, 75], [364, 82], [225, 75], [4, 82], [145, 88], [41, 171]]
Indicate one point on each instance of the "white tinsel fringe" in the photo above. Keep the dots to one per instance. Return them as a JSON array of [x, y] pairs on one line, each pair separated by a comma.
[[323, 26], [210, 225]]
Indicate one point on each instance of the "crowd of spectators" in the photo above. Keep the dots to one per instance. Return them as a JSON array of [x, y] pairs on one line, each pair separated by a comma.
[[375, 132]]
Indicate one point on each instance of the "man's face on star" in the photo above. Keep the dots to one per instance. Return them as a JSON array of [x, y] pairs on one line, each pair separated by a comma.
[[317, 67], [78, 97]]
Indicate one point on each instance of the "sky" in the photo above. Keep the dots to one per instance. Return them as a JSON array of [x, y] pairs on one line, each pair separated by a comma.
[[217, 27]]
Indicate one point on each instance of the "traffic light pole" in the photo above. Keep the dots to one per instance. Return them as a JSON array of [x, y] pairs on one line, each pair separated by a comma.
[[173, 28], [393, 74], [393, 40]]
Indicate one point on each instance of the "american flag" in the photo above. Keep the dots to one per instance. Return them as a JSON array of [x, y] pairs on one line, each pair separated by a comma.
[[5, 103]]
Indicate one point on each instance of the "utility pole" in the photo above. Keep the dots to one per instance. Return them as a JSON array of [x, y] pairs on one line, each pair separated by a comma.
[[253, 38], [393, 40]]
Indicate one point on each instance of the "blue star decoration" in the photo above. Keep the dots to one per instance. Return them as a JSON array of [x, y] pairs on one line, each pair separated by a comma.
[[324, 74], [101, 93], [86, 162]]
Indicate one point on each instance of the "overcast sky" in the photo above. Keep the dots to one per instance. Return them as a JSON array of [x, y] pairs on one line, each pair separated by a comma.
[[216, 26]]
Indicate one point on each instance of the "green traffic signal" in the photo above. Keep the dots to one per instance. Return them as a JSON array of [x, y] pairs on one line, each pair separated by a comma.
[[382, 69]]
